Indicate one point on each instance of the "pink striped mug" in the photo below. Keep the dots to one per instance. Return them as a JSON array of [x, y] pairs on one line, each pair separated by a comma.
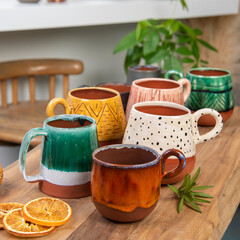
[[158, 89]]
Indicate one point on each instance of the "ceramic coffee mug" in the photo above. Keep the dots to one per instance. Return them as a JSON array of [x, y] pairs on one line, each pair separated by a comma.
[[211, 88], [142, 71], [126, 180], [67, 146], [164, 125], [158, 89], [122, 88], [102, 104]]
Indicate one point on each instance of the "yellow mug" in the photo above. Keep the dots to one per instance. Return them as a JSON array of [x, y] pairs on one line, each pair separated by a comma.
[[102, 104]]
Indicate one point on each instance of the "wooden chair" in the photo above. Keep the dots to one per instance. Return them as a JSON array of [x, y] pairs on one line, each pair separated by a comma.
[[19, 117]]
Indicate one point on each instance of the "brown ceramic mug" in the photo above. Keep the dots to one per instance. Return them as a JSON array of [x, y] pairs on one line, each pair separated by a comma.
[[126, 180]]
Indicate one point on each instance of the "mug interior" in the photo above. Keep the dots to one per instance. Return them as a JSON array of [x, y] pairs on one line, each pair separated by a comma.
[[60, 123], [93, 93], [161, 110], [158, 84], [209, 72], [125, 156]]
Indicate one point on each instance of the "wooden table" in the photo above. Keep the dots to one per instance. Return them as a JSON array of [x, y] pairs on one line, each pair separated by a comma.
[[220, 166]]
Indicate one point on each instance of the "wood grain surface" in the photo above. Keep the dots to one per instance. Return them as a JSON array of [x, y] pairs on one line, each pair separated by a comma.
[[219, 160]]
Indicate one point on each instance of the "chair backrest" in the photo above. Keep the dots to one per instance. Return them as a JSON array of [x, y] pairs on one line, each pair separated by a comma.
[[35, 67]]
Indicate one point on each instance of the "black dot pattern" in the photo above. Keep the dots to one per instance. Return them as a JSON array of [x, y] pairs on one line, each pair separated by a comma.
[[165, 132]]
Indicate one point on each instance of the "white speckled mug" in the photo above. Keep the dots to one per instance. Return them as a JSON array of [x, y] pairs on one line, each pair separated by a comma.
[[164, 125]]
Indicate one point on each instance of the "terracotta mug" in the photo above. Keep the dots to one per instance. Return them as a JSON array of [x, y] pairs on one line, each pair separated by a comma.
[[142, 71], [164, 125], [102, 104], [126, 180], [122, 88], [158, 89], [66, 158], [211, 88]]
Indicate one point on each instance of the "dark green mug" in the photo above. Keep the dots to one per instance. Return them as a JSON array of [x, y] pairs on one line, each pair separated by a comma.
[[210, 88], [67, 146]]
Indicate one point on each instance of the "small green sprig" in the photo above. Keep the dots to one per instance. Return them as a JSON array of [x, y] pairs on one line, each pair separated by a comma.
[[189, 193]]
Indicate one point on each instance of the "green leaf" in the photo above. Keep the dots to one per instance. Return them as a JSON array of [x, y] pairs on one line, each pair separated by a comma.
[[183, 39], [200, 194], [158, 57], [201, 200], [163, 30], [171, 63], [184, 5], [207, 45], [153, 21], [145, 23], [130, 40], [138, 31], [183, 51], [195, 50], [129, 60], [201, 187], [180, 205], [151, 43], [175, 26], [187, 60], [195, 176], [194, 205], [184, 182], [197, 31], [203, 61], [174, 189], [188, 30]]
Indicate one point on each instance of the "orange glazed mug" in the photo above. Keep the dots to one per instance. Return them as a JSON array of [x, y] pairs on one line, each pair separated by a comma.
[[102, 104], [126, 180]]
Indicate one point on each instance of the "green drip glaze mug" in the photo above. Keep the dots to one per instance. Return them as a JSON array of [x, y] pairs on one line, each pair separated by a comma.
[[210, 88], [67, 146]]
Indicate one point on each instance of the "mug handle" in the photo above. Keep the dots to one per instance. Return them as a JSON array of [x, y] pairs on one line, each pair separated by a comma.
[[211, 134], [187, 90], [171, 72], [179, 168], [51, 105], [23, 152]]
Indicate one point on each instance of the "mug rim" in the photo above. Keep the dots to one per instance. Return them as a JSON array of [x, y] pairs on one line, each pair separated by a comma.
[[163, 104], [69, 117], [122, 166], [134, 67], [228, 73], [157, 80], [98, 88]]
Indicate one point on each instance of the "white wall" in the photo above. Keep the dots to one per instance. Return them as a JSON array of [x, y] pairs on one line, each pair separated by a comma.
[[93, 45]]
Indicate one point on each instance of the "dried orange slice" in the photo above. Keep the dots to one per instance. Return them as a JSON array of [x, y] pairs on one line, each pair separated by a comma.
[[15, 224], [47, 211], [5, 208]]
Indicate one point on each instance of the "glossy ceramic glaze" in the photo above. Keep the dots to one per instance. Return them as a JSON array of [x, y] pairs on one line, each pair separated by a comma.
[[211, 88], [123, 89], [164, 125], [102, 104], [142, 71], [158, 89], [126, 179], [67, 146]]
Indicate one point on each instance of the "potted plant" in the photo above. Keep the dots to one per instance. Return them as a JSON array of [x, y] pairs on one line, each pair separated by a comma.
[[169, 44]]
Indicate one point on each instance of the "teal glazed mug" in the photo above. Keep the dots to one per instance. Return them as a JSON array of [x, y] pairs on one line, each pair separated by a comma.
[[210, 88], [66, 158]]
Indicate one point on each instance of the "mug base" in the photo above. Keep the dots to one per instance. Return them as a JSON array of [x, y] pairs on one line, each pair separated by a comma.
[[172, 164], [120, 216], [208, 120], [76, 191]]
